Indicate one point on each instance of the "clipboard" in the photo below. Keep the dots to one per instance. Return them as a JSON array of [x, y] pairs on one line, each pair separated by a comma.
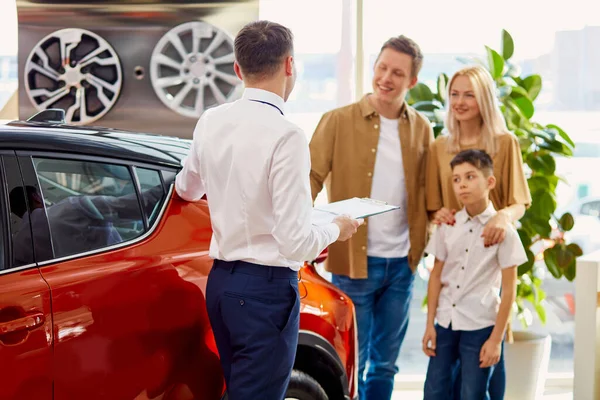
[[355, 207]]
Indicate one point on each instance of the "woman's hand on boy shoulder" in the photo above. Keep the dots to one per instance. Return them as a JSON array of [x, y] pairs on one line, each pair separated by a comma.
[[494, 231], [490, 353], [429, 341], [444, 216]]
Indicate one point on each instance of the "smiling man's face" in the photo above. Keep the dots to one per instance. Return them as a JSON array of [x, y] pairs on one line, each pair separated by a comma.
[[392, 78]]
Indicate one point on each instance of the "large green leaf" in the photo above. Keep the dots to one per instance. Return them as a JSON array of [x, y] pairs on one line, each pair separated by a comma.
[[542, 183], [571, 270], [514, 112], [495, 63], [563, 256], [543, 204], [518, 91], [508, 45], [575, 249], [525, 238], [541, 164], [566, 222], [525, 105], [528, 265], [535, 225], [557, 147], [561, 133], [547, 136], [552, 263], [533, 85], [420, 92]]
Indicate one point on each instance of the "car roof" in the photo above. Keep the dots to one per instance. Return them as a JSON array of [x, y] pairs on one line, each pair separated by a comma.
[[97, 141]]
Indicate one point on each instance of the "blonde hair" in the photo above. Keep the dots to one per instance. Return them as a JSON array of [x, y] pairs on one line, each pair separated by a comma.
[[493, 122]]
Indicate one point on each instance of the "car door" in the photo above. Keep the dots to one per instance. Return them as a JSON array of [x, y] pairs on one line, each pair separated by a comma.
[[25, 308], [128, 323]]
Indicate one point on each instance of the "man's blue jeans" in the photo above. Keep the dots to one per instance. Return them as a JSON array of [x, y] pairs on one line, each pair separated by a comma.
[[382, 308], [452, 347]]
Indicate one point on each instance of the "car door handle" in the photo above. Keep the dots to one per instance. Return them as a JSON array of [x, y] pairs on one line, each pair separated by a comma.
[[24, 323]]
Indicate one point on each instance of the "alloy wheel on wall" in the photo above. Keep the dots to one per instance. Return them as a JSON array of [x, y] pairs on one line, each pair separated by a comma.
[[75, 70], [191, 68]]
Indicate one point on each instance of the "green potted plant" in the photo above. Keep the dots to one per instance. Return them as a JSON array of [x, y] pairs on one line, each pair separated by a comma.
[[540, 230]]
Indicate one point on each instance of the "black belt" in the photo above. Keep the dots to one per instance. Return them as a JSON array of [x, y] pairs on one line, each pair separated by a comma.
[[244, 267]]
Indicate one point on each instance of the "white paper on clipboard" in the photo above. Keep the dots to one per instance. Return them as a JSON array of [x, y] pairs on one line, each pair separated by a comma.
[[354, 207]]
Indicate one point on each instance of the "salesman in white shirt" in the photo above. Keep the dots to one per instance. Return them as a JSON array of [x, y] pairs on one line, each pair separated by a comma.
[[253, 165]]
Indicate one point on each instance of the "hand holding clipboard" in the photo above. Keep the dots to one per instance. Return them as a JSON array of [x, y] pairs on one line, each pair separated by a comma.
[[355, 207]]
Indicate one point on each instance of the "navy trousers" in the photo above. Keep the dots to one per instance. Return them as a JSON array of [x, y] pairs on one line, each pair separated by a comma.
[[254, 311]]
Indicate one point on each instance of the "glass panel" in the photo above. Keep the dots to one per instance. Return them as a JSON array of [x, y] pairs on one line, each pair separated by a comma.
[[90, 205]]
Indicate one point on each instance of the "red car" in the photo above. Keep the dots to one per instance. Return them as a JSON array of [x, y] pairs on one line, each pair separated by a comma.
[[103, 271]]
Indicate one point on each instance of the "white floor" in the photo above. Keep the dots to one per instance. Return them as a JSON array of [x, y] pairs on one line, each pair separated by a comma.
[[554, 394]]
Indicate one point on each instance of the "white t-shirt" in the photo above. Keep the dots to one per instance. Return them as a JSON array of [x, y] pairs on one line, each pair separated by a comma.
[[388, 233]]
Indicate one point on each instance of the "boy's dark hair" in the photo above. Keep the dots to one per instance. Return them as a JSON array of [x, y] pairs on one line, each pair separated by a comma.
[[407, 46], [477, 158], [261, 46]]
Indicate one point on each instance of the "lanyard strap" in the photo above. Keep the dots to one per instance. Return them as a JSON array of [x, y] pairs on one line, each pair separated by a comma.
[[269, 104]]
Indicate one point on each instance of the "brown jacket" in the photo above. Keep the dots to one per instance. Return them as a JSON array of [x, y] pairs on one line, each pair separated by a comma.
[[343, 150]]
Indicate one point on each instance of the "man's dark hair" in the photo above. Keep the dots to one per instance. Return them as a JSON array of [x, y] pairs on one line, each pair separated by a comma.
[[477, 158], [261, 46], [407, 46]]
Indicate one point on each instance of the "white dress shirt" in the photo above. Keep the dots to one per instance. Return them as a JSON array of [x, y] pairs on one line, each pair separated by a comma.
[[471, 277], [254, 164], [387, 234]]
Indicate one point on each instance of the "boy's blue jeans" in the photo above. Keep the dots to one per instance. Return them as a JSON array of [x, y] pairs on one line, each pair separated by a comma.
[[382, 309], [497, 386], [452, 346]]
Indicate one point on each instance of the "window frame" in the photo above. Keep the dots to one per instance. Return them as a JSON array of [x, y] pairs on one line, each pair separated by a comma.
[[5, 231], [138, 188], [30, 177]]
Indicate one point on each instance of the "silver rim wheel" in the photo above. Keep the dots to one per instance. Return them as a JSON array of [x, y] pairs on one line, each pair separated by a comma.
[[76, 70], [191, 69]]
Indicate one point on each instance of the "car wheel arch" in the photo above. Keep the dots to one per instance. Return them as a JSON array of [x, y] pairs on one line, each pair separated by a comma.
[[318, 358]]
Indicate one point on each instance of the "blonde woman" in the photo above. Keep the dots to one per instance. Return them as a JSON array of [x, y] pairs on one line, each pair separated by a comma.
[[474, 121]]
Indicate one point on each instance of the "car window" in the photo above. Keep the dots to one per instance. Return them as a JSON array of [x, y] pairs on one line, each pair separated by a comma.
[[591, 208], [90, 205], [152, 192]]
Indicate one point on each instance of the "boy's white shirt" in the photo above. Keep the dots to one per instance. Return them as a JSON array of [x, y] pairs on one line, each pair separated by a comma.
[[471, 277]]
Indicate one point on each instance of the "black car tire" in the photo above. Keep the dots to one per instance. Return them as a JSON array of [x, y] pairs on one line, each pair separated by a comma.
[[304, 387]]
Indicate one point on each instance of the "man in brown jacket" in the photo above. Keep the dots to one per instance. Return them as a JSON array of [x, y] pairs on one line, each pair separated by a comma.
[[378, 148]]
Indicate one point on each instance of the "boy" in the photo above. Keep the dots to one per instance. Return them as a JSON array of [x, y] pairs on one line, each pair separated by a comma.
[[464, 285]]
